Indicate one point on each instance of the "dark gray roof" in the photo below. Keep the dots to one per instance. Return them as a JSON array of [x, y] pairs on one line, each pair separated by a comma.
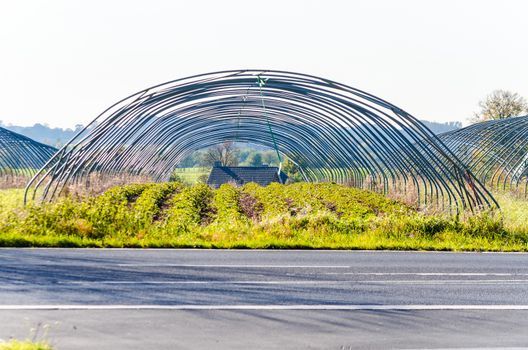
[[244, 174]]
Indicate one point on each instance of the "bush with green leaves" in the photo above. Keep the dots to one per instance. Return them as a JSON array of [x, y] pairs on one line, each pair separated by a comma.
[[110, 212], [226, 204], [299, 215], [191, 207], [148, 206]]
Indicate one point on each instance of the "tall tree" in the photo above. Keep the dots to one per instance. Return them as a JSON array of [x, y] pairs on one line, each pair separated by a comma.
[[501, 104], [255, 159], [225, 153]]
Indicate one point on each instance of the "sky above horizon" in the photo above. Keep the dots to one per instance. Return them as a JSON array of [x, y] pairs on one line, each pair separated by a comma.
[[64, 62]]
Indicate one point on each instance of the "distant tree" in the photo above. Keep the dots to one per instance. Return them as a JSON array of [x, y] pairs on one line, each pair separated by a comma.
[[225, 153], [244, 154], [194, 159], [292, 170], [501, 104], [255, 159], [270, 157]]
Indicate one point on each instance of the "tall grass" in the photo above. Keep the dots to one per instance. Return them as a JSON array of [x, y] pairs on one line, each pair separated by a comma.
[[514, 211]]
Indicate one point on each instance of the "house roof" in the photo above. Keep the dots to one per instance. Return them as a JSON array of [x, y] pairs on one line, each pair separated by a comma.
[[240, 175]]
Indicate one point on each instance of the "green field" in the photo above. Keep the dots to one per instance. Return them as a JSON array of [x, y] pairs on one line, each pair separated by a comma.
[[191, 176], [300, 215]]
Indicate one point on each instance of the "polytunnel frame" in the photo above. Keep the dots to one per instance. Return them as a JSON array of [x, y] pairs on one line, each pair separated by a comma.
[[332, 131], [21, 155], [496, 151]]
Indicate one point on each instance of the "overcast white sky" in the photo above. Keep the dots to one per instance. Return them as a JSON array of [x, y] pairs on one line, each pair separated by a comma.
[[63, 62]]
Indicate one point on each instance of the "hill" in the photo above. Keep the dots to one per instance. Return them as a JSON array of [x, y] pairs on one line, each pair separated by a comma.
[[55, 137], [439, 128]]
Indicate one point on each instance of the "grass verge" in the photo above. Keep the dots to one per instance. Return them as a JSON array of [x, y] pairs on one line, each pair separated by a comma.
[[24, 345]]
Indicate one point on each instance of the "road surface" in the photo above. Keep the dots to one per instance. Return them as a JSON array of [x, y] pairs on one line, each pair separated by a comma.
[[210, 299]]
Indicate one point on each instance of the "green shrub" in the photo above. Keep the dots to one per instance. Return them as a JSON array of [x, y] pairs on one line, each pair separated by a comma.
[[485, 225], [148, 206], [191, 207], [226, 205], [111, 212], [50, 217], [323, 215], [271, 198], [250, 207]]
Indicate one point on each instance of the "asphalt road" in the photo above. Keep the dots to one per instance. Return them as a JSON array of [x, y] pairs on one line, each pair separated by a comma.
[[209, 299]]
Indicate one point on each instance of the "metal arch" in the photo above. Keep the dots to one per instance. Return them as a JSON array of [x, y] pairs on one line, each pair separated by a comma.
[[20, 155], [332, 131], [496, 151]]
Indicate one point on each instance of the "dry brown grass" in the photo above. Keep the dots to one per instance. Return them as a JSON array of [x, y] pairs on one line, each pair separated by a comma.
[[13, 181], [97, 183], [412, 193]]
